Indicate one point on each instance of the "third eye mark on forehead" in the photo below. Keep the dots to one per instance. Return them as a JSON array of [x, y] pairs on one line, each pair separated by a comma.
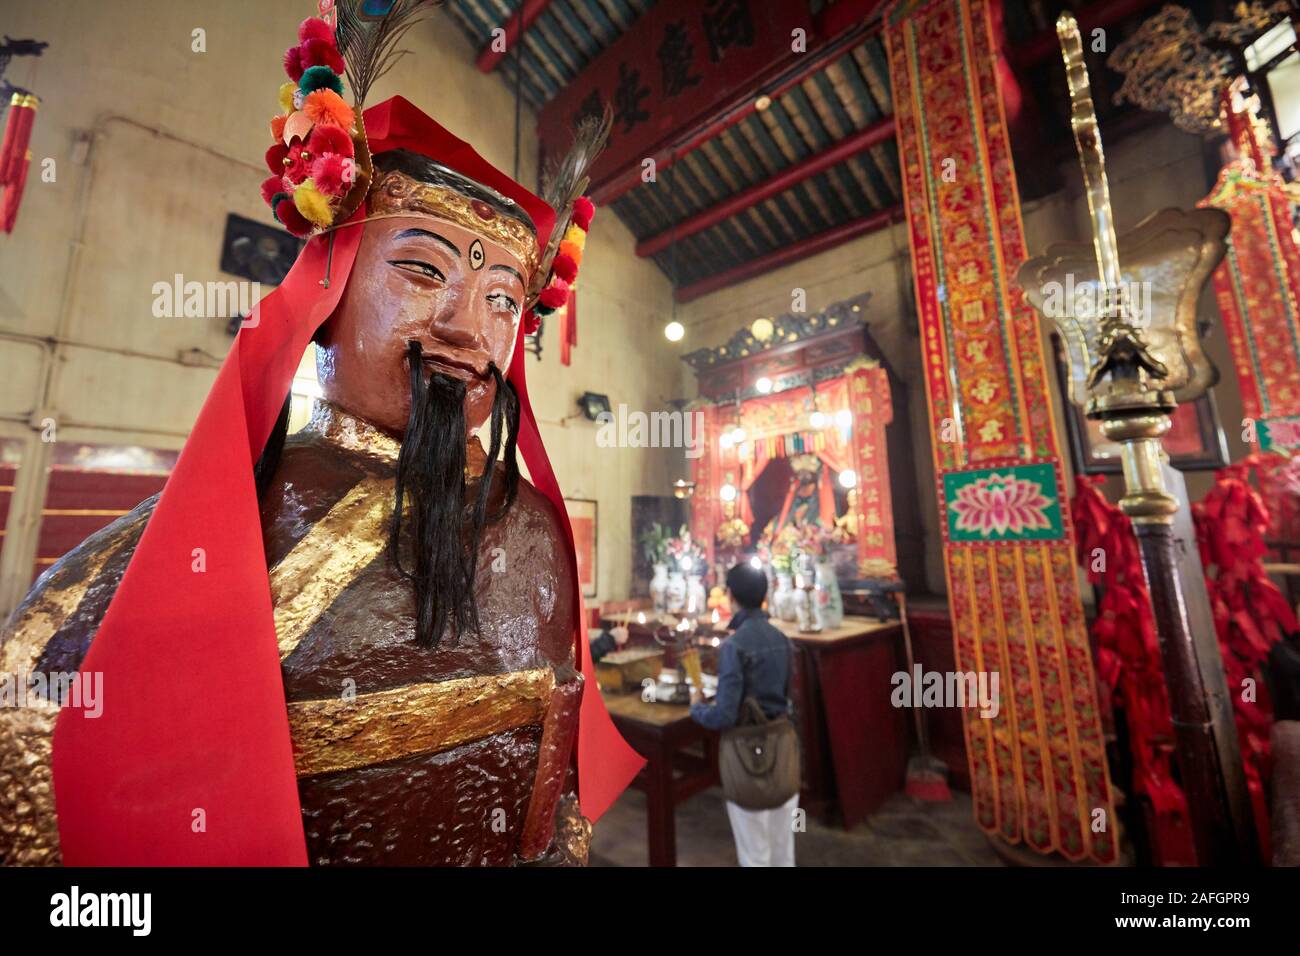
[[409, 233]]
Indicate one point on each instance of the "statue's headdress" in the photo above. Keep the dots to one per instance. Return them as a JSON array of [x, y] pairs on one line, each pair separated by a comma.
[[196, 715], [322, 168]]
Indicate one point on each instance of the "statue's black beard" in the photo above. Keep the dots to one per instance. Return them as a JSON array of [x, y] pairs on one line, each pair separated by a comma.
[[445, 525], [431, 473]]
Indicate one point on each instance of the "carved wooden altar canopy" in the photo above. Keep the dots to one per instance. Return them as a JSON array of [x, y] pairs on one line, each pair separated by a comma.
[[794, 385]]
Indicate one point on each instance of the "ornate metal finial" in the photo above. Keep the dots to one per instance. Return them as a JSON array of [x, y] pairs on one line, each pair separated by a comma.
[[1120, 347]]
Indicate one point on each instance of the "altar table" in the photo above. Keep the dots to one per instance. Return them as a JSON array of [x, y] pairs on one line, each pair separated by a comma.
[[855, 742], [675, 767]]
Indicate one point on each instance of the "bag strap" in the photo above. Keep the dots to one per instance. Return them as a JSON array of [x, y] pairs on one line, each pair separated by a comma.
[[753, 711]]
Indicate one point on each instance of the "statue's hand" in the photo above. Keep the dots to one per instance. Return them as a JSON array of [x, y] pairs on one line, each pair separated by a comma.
[[572, 837]]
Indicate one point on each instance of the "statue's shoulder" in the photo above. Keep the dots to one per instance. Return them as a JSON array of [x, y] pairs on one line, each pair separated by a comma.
[[54, 624]]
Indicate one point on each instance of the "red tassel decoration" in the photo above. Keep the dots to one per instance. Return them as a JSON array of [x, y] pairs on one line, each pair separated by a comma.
[[573, 316], [18, 136], [14, 196]]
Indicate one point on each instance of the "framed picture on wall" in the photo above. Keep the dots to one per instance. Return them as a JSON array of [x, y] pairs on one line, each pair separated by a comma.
[[1194, 442], [582, 518]]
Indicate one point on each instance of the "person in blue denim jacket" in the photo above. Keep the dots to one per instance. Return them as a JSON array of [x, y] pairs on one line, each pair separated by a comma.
[[753, 662]]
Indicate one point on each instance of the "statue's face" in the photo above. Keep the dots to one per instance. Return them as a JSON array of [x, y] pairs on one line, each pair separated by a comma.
[[457, 293]]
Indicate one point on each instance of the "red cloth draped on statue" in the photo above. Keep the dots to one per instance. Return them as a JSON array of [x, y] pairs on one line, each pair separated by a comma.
[[190, 762]]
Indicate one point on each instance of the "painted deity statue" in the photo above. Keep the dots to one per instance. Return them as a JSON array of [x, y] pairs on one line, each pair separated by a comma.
[[356, 644], [808, 500]]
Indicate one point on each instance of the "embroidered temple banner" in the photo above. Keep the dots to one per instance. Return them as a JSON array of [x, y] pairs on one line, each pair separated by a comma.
[[1256, 284], [1038, 768]]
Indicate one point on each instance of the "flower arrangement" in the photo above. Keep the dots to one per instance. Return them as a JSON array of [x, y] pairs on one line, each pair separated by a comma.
[[816, 539], [779, 550], [684, 554], [731, 534], [654, 544]]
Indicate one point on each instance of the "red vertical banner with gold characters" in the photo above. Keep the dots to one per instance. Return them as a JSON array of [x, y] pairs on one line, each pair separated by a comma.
[[872, 409], [1037, 759], [1257, 286]]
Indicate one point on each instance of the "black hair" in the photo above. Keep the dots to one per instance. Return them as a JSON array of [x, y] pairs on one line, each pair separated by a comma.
[[445, 528], [747, 584]]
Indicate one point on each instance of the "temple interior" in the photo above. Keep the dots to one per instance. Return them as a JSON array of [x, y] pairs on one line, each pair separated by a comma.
[[1007, 421]]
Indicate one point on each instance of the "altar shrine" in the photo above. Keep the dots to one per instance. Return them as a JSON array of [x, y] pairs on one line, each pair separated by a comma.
[[798, 414]]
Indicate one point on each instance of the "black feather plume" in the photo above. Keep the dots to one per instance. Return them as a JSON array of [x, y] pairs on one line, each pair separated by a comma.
[[368, 42]]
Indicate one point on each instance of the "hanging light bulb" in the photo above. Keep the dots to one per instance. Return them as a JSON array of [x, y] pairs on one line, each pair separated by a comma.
[[727, 492], [674, 331], [738, 436], [764, 385], [640, 617], [686, 562], [817, 419], [725, 440], [848, 478], [756, 562], [844, 418]]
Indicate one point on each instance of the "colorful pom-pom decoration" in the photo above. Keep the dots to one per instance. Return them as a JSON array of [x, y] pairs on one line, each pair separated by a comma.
[[554, 295], [289, 217], [297, 166], [314, 28], [320, 53], [272, 186], [327, 107], [583, 210], [575, 235], [532, 322], [573, 251], [330, 174], [330, 139], [311, 174], [320, 78], [293, 64], [565, 267], [275, 157], [313, 204]]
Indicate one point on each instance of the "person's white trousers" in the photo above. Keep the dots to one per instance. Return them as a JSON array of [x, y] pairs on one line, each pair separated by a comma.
[[764, 837]]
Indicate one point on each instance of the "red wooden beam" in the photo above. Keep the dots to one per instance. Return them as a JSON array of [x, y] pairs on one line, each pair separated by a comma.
[[792, 253], [837, 153], [488, 58], [605, 192]]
